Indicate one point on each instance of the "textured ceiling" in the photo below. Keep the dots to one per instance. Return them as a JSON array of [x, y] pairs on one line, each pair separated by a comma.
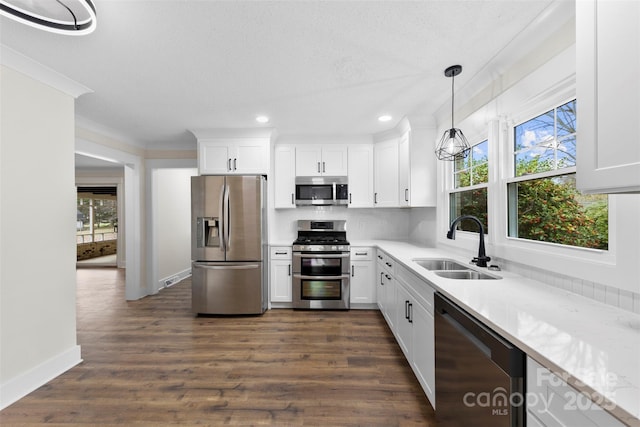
[[160, 68]]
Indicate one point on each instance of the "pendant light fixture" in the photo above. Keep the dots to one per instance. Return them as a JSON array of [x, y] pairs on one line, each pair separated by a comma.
[[453, 144], [75, 17]]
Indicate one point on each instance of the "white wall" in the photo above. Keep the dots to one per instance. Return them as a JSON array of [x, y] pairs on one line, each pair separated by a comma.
[[172, 220], [37, 225]]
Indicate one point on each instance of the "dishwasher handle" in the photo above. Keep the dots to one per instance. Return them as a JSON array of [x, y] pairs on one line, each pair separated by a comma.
[[507, 356]]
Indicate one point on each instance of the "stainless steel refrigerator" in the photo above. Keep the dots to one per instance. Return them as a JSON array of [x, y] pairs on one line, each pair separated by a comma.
[[228, 244]]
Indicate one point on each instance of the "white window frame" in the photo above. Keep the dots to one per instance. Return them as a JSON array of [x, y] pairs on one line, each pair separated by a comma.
[[453, 190], [544, 253]]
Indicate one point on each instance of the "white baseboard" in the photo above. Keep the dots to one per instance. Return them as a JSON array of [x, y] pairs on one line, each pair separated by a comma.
[[18, 387], [175, 278]]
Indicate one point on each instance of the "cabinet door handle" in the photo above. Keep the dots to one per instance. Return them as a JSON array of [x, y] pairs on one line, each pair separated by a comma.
[[381, 281], [289, 269], [410, 318], [235, 164], [350, 198], [318, 167], [323, 168], [281, 253], [361, 253], [388, 264], [375, 198], [406, 194], [229, 165], [387, 276], [352, 271], [406, 309]]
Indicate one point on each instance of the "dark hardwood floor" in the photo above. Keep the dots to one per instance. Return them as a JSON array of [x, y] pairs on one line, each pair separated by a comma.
[[151, 362]]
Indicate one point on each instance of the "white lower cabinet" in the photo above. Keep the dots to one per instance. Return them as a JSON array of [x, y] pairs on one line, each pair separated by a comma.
[[551, 402], [280, 269], [406, 302], [363, 282], [415, 328]]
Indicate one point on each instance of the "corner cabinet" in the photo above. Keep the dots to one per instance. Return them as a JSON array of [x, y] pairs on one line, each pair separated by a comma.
[[225, 156], [608, 93]]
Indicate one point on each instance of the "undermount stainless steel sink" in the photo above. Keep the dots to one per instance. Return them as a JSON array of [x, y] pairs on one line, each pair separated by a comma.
[[466, 275], [436, 264], [451, 269]]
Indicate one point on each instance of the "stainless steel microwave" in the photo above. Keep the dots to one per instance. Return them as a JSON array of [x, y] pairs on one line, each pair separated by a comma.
[[321, 190]]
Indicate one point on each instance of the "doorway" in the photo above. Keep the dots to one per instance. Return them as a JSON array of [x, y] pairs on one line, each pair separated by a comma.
[[97, 226]]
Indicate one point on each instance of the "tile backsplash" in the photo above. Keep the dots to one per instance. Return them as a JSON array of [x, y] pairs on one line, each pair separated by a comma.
[[610, 295]]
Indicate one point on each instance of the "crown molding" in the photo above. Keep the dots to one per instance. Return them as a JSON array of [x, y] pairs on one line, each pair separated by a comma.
[[37, 71]]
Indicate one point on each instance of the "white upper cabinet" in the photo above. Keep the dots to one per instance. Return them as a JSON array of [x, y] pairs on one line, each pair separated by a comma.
[[608, 93], [360, 165], [417, 168], [318, 160], [404, 173], [284, 176], [218, 156], [385, 156]]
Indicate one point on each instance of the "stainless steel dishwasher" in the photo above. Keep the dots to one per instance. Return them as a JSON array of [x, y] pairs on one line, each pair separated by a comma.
[[479, 375]]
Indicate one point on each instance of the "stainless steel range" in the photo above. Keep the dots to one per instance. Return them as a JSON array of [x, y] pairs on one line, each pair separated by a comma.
[[321, 265]]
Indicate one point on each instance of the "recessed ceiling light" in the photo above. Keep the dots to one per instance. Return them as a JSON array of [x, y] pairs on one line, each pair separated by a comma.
[[384, 118], [262, 119]]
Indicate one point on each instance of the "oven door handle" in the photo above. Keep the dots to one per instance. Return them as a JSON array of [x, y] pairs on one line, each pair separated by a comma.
[[317, 255], [303, 277]]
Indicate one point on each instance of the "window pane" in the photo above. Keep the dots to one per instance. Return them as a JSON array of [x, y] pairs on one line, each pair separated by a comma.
[[566, 117], [546, 142], [567, 152], [462, 179], [553, 210], [534, 131], [479, 152], [471, 202], [460, 163], [480, 165]]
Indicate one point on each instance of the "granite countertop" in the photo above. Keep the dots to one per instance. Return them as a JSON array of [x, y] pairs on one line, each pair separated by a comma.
[[593, 346]]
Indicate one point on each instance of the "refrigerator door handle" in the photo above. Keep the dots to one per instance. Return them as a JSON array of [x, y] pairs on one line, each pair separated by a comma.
[[223, 221], [227, 217]]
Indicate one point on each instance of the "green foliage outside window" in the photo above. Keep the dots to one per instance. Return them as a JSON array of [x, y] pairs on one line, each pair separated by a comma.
[[552, 210]]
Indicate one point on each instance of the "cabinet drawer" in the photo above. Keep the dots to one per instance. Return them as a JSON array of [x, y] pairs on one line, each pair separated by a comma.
[[386, 261], [361, 253], [281, 252]]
